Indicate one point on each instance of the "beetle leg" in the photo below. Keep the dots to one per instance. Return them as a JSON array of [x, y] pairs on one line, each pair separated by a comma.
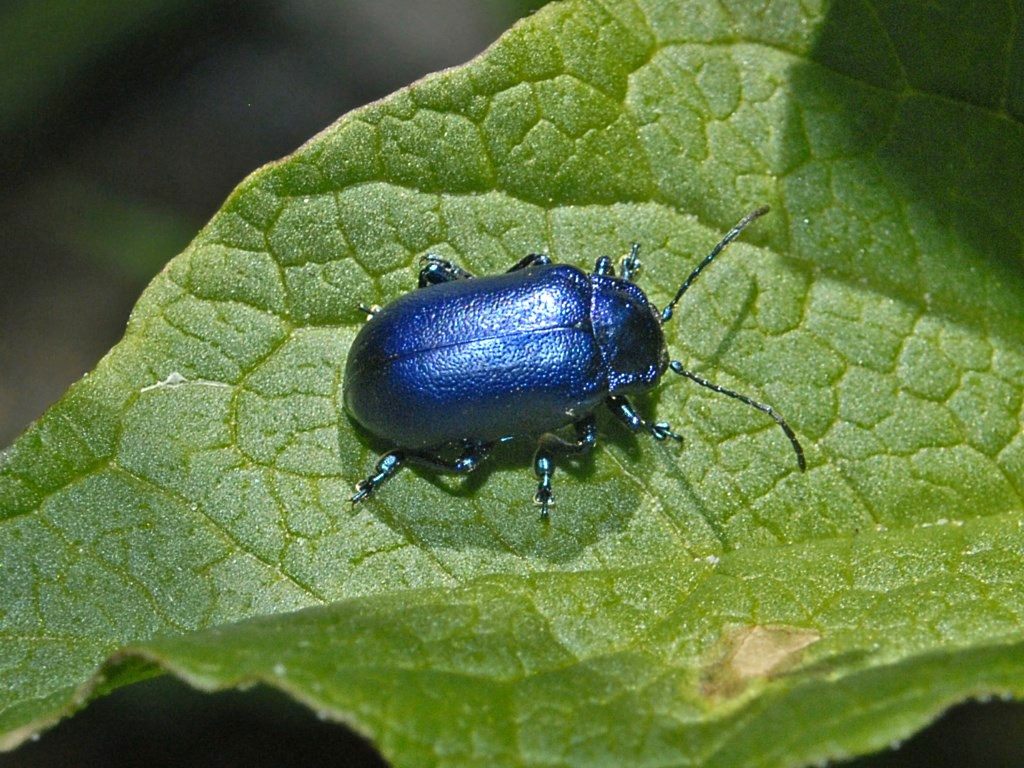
[[625, 413], [388, 465], [604, 267], [370, 309], [630, 265], [533, 260], [544, 459], [474, 452], [438, 270]]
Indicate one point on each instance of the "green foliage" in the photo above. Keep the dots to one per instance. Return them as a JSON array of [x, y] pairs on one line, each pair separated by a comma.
[[184, 507]]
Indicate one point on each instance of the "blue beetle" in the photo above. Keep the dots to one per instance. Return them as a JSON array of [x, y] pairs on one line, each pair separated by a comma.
[[446, 372]]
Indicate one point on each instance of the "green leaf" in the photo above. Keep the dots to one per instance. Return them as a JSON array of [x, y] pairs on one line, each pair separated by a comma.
[[184, 507]]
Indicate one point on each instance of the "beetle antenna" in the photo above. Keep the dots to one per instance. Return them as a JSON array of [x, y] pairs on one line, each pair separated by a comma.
[[676, 366], [731, 235]]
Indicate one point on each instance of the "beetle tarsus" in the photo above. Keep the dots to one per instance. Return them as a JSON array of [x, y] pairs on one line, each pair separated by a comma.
[[626, 413], [543, 497], [661, 430], [544, 460], [388, 465], [473, 453], [629, 265], [370, 309]]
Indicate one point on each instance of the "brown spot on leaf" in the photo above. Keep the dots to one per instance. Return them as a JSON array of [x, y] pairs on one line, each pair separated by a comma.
[[756, 652]]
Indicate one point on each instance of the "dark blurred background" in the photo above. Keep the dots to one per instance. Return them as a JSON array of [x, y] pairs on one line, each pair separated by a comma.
[[125, 124]]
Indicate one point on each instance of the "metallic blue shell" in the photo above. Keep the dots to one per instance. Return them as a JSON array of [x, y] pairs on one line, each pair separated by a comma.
[[489, 357]]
